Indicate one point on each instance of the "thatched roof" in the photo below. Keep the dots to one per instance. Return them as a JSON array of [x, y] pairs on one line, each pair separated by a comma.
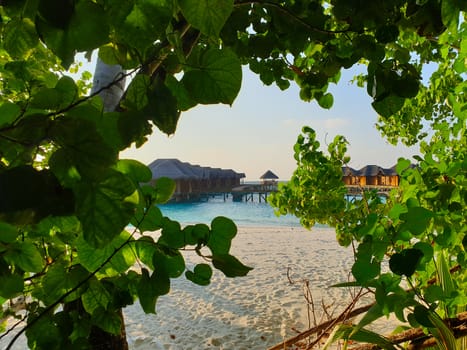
[[269, 175], [177, 170]]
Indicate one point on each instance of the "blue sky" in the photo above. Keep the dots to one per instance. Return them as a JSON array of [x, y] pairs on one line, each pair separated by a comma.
[[259, 130]]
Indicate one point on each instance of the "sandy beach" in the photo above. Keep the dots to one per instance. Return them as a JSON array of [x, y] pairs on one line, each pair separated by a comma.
[[253, 312]]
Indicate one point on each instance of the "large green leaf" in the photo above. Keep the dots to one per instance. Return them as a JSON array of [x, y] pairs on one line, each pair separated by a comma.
[[168, 261], [96, 296], [86, 30], [150, 288], [162, 107], [147, 219], [388, 105], [163, 189], [9, 112], [82, 147], [405, 262], [107, 320], [209, 16], [20, 37], [116, 257], [60, 279], [138, 23], [171, 234], [11, 285], [135, 170], [24, 255], [106, 207], [223, 230], [230, 265], [215, 76], [417, 219]]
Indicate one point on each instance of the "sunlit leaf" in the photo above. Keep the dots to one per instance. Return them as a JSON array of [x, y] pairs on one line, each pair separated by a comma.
[[24, 255], [116, 257]]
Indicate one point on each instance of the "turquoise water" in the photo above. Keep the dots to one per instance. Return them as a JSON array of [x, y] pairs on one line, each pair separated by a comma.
[[242, 213]]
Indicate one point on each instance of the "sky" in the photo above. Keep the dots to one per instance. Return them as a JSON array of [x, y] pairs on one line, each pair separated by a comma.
[[257, 133]]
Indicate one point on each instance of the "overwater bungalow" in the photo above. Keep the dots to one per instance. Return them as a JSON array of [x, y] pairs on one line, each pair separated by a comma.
[[193, 182], [370, 176]]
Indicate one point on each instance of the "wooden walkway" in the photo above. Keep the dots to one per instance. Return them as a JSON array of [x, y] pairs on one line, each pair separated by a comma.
[[260, 192], [248, 192]]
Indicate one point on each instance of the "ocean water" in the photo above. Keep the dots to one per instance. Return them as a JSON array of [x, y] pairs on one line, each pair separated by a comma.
[[242, 213]]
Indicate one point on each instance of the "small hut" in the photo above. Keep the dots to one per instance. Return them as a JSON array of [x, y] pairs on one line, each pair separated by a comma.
[[269, 179]]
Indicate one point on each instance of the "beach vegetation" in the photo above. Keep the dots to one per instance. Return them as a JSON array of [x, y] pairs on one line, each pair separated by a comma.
[[76, 221]]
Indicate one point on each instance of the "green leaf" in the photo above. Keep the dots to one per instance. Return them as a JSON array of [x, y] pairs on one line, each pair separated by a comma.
[[135, 170], [107, 320], [209, 16], [388, 106], [139, 23], [150, 288], [179, 91], [116, 257], [196, 234], [86, 30], [326, 101], [421, 316], [364, 270], [417, 219], [95, 297], [162, 107], [145, 247], [164, 188], [223, 230], [147, 219], [20, 37], [8, 233], [82, 146], [215, 76], [106, 207], [230, 265], [9, 112], [402, 164], [201, 274], [136, 97], [171, 234], [405, 262], [170, 261], [24, 255], [60, 279], [11, 285]]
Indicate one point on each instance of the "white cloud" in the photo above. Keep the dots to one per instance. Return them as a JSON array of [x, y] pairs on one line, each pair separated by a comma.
[[335, 123]]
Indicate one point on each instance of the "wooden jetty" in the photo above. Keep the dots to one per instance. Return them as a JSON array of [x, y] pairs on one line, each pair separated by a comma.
[[248, 192]]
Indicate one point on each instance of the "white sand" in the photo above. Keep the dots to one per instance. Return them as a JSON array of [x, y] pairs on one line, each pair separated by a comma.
[[252, 312]]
